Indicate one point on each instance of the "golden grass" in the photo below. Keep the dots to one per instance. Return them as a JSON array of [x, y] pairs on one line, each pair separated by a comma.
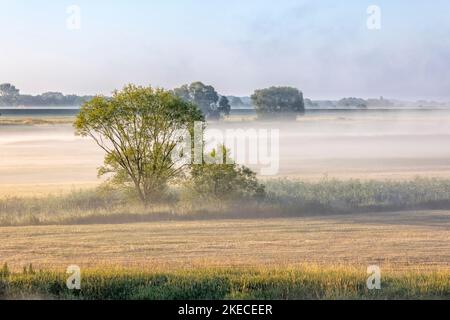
[[401, 241], [303, 282]]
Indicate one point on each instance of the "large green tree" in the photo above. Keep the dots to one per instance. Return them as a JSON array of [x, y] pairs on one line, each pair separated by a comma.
[[206, 98], [278, 102], [138, 128]]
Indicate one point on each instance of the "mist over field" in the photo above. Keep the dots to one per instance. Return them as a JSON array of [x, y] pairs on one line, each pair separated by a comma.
[[366, 144]]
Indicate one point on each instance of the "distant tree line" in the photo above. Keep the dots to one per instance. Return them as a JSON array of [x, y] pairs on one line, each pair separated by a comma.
[[10, 96], [273, 102], [350, 102]]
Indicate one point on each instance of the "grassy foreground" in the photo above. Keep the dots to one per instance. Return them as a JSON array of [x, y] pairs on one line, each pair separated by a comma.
[[219, 284]]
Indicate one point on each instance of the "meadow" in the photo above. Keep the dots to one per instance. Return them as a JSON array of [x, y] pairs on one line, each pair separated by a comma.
[[404, 240], [322, 257], [352, 191]]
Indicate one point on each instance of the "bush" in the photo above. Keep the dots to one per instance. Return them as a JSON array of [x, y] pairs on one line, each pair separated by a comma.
[[223, 182]]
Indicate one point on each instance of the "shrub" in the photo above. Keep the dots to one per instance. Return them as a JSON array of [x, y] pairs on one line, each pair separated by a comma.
[[223, 182]]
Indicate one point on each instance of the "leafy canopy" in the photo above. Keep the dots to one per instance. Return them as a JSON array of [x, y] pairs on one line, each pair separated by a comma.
[[206, 98], [138, 129], [278, 102], [226, 181]]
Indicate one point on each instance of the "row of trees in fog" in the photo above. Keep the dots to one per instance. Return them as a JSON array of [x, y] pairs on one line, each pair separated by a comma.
[[270, 102], [10, 96]]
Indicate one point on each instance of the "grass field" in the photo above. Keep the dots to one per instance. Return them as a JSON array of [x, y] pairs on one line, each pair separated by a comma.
[[299, 258], [319, 252], [406, 240]]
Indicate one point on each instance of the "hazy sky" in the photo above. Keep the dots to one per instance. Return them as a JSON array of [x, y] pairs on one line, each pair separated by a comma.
[[322, 47]]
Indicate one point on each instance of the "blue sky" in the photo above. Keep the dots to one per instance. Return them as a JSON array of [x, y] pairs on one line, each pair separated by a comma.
[[322, 47]]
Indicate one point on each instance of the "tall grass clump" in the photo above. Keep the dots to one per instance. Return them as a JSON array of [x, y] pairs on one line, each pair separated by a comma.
[[100, 205], [331, 195]]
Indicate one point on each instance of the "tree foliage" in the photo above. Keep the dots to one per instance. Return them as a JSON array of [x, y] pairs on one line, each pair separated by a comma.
[[278, 102], [8, 94], [8, 90], [206, 98], [138, 129], [352, 102], [226, 181]]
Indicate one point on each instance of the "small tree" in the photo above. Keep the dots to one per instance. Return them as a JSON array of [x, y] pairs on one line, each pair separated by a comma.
[[278, 102], [138, 129], [223, 182]]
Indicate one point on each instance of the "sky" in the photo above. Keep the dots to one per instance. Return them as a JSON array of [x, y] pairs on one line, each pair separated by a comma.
[[322, 47]]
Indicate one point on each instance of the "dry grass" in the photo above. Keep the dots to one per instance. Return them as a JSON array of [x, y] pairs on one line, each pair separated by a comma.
[[285, 198], [305, 282], [407, 240], [43, 190]]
